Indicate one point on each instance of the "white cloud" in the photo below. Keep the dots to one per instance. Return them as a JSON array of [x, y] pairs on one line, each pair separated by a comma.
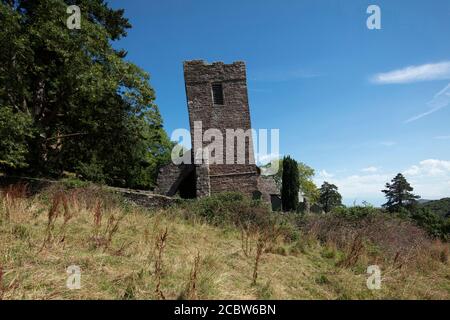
[[439, 101], [430, 179], [430, 167], [425, 72], [360, 187], [412, 171], [370, 169], [325, 175], [263, 159]]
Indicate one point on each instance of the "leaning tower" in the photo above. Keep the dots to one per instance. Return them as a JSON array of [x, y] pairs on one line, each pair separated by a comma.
[[217, 99]]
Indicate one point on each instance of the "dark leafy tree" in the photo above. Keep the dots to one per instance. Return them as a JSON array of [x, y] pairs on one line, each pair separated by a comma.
[[290, 185], [435, 225], [329, 197], [89, 110], [15, 128], [399, 195], [440, 207]]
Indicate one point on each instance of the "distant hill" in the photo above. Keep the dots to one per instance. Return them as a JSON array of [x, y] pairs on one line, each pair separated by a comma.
[[440, 207]]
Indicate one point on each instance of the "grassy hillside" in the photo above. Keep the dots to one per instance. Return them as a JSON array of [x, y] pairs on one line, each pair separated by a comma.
[[200, 251]]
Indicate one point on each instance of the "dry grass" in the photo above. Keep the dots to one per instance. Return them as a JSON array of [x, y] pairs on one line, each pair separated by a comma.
[[124, 252], [160, 244]]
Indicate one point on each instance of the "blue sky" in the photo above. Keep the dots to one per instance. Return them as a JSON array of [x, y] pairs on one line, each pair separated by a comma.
[[358, 105]]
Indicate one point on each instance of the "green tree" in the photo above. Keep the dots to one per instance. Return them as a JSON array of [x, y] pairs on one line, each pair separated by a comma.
[[329, 197], [290, 185], [306, 184], [399, 195], [14, 130], [431, 222], [92, 112]]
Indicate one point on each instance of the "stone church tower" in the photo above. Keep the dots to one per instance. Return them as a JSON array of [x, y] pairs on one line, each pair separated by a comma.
[[217, 99], [217, 103]]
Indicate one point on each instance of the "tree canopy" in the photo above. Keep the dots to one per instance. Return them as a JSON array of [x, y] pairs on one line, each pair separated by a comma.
[[329, 197], [70, 101], [306, 184], [290, 185], [399, 194]]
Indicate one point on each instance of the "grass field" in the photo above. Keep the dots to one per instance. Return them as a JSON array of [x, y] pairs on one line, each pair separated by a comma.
[[128, 252]]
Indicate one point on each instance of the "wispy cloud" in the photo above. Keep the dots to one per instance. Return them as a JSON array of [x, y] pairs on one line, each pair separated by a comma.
[[325, 175], [439, 101], [370, 169], [388, 143], [425, 72], [442, 138]]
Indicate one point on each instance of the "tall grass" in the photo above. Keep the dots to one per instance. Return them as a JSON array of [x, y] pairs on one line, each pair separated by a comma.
[[13, 203], [1, 283], [160, 244], [191, 291], [378, 239], [239, 250]]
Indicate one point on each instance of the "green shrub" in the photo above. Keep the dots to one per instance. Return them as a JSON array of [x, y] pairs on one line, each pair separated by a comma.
[[230, 207], [73, 183], [435, 225], [322, 279], [356, 211], [236, 209]]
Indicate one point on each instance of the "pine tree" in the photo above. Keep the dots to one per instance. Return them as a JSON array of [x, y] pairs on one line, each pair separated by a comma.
[[399, 195], [290, 185], [329, 197]]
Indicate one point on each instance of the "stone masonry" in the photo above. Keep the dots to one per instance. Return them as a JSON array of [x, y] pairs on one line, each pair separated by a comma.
[[217, 99], [233, 113]]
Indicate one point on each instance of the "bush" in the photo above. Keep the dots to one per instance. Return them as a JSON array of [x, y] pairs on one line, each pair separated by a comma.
[[435, 225], [74, 183], [356, 211], [230, 207], [378, 235], [236, 209]]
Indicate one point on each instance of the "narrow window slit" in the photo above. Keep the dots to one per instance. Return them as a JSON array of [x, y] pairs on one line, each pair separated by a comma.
[[217, 92]]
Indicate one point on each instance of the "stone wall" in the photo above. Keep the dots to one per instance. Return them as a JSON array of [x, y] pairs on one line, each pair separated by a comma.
[[245, 183], [268, 188], [146, 199], [170, 177], [141, 197], [203, 183]]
